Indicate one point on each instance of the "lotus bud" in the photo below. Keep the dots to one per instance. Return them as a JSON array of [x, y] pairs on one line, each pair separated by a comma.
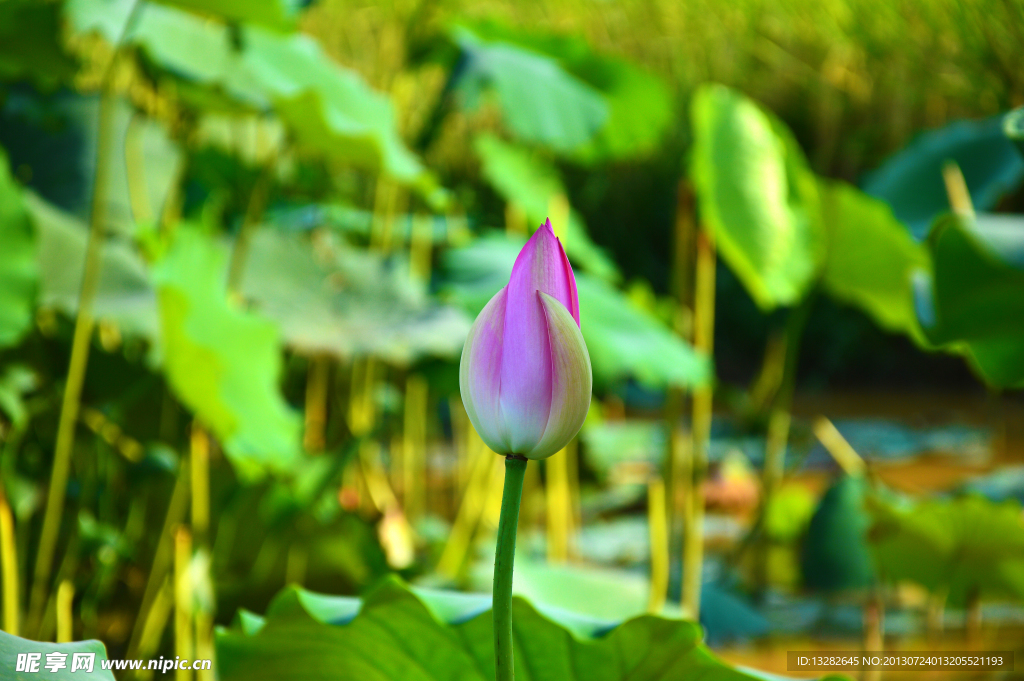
[[525, 374]]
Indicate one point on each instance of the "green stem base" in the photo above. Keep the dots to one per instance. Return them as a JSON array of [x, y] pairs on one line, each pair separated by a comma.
[[504, 556]]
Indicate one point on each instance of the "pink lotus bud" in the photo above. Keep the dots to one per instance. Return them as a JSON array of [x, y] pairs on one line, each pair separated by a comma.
[[525, 373]]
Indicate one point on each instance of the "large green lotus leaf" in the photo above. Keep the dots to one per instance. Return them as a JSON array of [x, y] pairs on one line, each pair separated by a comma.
[[974, 304], [756, 195], [336, 299], [30, 46], [911, 180], [223, 362], [124, 295], [12, 646], [966, 545], [626, 341], [398, 635], [872, 260], [277, 14], [19, 276], [330, 297], [329, 109], [526, 180], [640, 106], [835, 551], [623, 340], [599, 593], [540, 101], [64, 126]]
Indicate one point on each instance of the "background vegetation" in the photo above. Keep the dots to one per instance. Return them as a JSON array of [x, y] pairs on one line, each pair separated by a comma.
[[241, 245]]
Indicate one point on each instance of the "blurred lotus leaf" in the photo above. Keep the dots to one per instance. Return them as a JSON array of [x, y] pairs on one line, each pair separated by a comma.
[[222, 362], [30, 47], [328, 109], [398, 634], [277, 14], [974, 302], [337, 299], [19, 276], [911, 179], [330, 297], [627, 342], [124, 295], [835, 552], [604, 594], [629, 442], [639, 106], [872, 260], [623, 340], [525, 180], [966, 547], [757, 196], [12, 646], [540, 101]]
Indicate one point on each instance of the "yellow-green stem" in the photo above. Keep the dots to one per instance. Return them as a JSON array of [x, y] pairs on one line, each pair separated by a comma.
[[183, 628], [694, 469], [162, 559], [65, 622], [657, 524], [9, 566], [779, 420], [504, 557], [84, 324]]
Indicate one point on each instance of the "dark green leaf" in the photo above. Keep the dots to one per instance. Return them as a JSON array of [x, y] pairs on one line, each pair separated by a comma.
[[974, 303], [872, 260], [756, 195], [222, 362], [911, 180], [19, 276], [527, 181], [400, 636], [835, 551]]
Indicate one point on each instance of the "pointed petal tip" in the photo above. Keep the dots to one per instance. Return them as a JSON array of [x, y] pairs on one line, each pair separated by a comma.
[[547, 225]]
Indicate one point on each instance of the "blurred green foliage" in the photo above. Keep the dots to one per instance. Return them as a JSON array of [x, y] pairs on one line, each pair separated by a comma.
[[300, 208]]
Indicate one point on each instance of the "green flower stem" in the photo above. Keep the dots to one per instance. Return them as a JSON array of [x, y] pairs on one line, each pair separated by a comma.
[[84, 323], [504, 556]]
